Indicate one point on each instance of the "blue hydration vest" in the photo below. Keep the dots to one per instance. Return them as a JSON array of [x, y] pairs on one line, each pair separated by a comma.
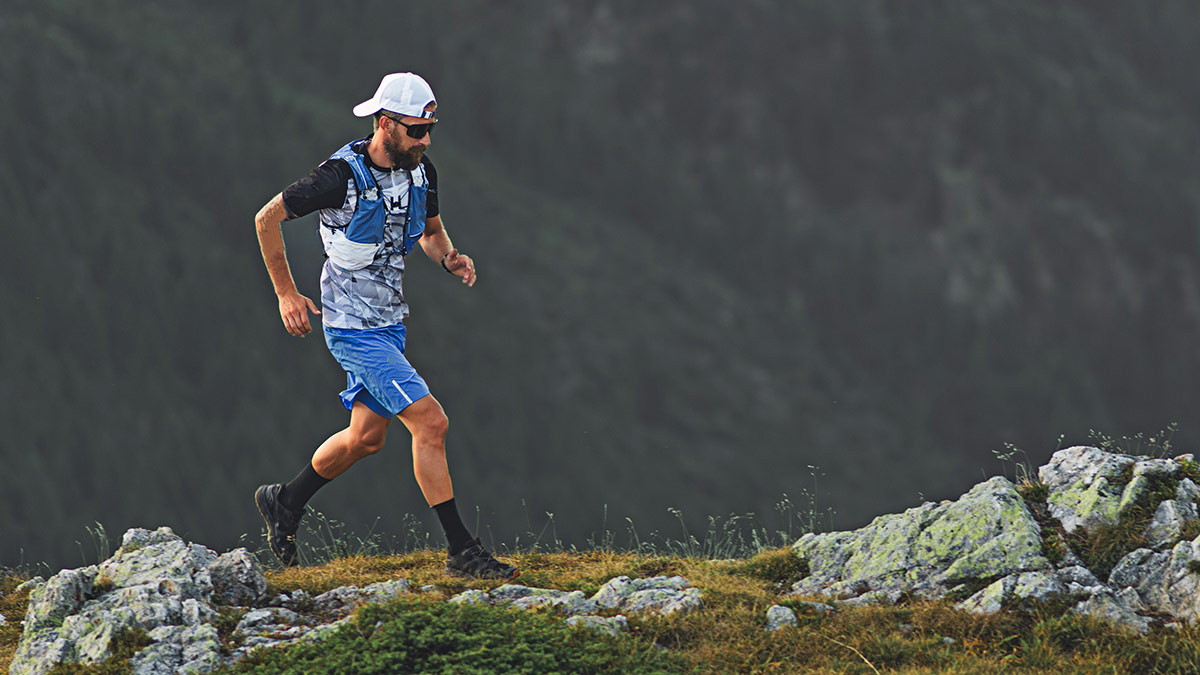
[[370, 215]]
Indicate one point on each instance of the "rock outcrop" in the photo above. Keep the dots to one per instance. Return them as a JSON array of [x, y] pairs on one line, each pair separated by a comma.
[[928, 551], [172, 592], [156, 583], [985, 550], [658, 595]]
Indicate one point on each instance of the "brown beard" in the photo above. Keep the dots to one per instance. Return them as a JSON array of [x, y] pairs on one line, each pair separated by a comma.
[[402, 159]]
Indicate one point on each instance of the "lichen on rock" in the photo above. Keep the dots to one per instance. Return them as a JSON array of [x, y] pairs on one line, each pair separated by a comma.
[[928, 550]]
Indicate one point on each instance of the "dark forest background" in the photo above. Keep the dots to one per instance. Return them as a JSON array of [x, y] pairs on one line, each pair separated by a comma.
[[718, 244]]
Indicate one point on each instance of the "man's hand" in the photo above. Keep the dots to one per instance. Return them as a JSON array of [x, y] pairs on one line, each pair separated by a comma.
[[294, 309], [461, 266]]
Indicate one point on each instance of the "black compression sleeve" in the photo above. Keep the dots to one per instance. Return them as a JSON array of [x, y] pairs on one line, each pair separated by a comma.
[[431, 198], [323, 188]]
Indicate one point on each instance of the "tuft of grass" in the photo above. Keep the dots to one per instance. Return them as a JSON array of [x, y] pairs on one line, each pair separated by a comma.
[[101, 585], [780, 568], [12, 606], [225, 623], [101, 545], [1152, 444]]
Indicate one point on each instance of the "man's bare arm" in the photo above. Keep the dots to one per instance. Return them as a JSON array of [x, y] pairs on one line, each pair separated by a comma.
[[293, 307], [437, 245]]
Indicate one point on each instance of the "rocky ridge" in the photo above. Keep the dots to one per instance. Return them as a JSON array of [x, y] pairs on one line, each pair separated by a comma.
[[998, 546], [175, 591]]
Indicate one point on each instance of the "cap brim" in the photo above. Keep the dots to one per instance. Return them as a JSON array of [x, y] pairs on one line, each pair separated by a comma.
[[367, 108]]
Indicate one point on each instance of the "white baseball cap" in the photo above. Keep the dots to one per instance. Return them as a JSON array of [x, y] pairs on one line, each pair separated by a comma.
[[400, 93]]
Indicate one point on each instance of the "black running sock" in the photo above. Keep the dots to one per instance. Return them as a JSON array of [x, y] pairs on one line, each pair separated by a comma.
[[457, 536], [296, 494]]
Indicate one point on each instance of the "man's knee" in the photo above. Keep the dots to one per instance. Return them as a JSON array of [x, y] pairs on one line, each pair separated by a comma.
[[426, 418], [435, 424], [367, 442]]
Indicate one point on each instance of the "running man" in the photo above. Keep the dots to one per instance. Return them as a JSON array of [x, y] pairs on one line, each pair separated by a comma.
[[377, 199]]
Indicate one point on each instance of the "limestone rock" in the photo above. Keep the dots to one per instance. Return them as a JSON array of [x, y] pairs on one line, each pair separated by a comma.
[[29, 585], [1079, 580], [1086, 487], [780, 617], [161, 557], [1163, 580], [342, 600], [1172, 515], [928, 550], [237, 579], [154, 579], [815, 607], [1015, 588], [179, 649], [472, 596], [610, 625], [662, 595], [1109, 607]]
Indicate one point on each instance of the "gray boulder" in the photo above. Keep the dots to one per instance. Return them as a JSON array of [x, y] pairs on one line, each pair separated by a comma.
[[928, 550], [472, 596], [179, 649], [237, 579], [154, 581], [342, 600], [780, 617], [1015, 588], [1173, 515], [661, 595], [1115, 609], [605, 624], [1164, 580], [1087, 487]]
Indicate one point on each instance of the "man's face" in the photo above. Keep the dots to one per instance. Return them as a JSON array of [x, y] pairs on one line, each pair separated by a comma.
[[404, 151]]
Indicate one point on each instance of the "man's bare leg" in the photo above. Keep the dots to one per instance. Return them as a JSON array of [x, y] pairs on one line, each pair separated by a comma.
[[427, 423], [363, 438]]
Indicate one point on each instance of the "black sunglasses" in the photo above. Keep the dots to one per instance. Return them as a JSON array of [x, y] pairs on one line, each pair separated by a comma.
[[414, 130]]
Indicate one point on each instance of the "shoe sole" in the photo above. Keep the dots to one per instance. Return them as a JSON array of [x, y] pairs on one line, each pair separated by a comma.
[[262, 511]]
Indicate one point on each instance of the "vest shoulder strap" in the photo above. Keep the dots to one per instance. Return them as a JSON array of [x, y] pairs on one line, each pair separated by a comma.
[[363, 179]]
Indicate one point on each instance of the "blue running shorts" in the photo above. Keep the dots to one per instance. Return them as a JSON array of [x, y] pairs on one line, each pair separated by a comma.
[[377, 374]]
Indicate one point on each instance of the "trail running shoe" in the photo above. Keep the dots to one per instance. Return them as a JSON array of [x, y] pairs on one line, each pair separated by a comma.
[[281, 523], [474, 562]]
